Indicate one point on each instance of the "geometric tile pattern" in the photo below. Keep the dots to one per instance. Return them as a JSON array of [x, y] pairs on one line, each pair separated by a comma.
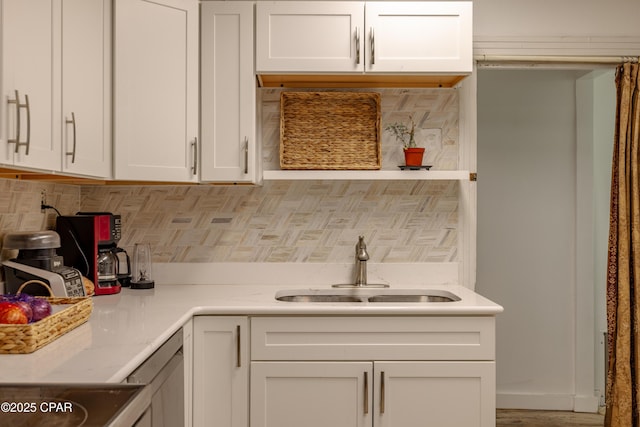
[[20, 206], [287, 221], [281, 221], [435, 112]]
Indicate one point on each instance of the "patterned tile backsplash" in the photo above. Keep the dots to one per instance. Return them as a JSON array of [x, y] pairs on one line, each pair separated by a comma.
[[281, 221], [434, 111], [287, 221], [20, 206]]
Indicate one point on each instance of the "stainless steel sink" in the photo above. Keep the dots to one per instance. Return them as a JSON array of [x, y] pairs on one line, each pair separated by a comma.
[[414, 298], [319, 298], [364, 295]]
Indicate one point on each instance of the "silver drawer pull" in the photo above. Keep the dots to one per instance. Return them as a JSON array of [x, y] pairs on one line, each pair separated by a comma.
[[382, 392], [366, 392], [238, 348]]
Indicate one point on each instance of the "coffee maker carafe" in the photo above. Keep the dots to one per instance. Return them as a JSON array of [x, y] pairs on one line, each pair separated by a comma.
[[88, 242], [107, 268]]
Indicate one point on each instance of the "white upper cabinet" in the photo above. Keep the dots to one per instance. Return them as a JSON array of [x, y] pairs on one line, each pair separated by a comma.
[[86, 87], [310, 36], [228, 92], [156, 90], [29, 130], [416, 37], [56, 60], [357, 37]]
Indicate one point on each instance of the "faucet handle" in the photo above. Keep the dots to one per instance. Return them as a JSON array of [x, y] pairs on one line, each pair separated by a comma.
[[361, 250]]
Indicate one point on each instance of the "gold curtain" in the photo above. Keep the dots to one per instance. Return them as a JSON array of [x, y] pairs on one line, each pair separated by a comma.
[[623, 299]]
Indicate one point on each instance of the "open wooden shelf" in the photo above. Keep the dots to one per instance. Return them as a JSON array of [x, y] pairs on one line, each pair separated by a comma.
[[457, 175]]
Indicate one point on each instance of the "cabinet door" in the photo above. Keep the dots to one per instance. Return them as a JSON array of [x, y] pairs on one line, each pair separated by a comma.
[[187, 350], [156, 90], [86, 87], [453, 394], [30, 33], [309, 36], [311, 394], [220, 371], [434, 37], [228, 92]]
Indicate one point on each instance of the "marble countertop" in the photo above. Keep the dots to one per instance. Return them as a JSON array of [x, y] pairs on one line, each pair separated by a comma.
[[125, 328]]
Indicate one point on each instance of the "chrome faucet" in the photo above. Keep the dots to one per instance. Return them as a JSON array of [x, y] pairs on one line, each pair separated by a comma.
[[362, 256]]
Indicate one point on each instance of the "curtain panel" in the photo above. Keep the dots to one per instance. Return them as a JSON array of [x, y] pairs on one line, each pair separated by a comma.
[[623, 299]]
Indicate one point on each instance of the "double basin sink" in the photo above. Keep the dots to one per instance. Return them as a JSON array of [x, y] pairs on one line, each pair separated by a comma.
[[367, 295]]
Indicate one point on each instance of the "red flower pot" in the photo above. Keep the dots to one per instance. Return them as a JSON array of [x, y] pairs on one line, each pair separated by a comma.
[[413, 156]]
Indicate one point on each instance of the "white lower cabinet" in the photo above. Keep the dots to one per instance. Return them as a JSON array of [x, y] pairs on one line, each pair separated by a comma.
[[358, 394], [311, 394], [187, 351], [220, 371], [434, 394], [373, 371], [356, 371]]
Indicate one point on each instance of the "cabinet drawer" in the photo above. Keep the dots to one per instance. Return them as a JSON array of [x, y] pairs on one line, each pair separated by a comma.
[[369, 338]]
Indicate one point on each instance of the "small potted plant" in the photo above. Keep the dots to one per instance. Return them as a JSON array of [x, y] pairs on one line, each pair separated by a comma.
[[406, 136]]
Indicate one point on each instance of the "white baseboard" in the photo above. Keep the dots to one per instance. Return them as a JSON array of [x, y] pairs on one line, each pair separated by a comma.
[[547, 402], [586, 404]]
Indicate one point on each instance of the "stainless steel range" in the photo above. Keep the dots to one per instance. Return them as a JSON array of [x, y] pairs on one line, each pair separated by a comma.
[[71, 405]]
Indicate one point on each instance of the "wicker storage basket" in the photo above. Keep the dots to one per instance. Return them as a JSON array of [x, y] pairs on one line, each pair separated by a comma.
[[330, 130], [20, 339]]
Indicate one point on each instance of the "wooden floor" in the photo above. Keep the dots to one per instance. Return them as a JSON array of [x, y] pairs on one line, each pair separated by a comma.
[[524, 418]]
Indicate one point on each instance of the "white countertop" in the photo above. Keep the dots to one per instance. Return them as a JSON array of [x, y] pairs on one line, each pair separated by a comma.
[[124, 329]]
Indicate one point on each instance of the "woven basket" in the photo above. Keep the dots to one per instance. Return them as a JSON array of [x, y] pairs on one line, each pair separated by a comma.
[[21, 339], [330, 130]]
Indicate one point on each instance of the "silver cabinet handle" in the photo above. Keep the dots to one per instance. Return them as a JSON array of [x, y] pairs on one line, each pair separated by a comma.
[[238, 348], [27, 143], [17, 138], [357, 45], [382, 392], [72, 122], [18, 123], [246, 155], [366, 392], [194, 145], [16, 101], [372, 40]]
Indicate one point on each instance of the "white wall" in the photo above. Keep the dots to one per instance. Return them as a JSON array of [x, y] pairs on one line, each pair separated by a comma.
[[549, 28], [526, 231], [602, 84], [556, 18], [552, 27]]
